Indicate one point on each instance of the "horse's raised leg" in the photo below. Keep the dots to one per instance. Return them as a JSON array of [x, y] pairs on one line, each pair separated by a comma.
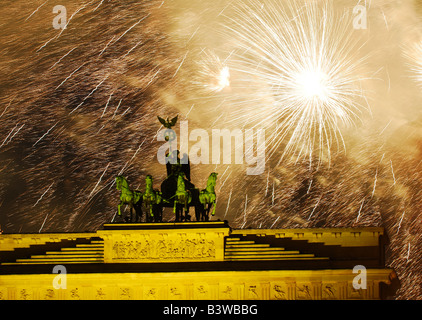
[[119, 212], [213, 209]]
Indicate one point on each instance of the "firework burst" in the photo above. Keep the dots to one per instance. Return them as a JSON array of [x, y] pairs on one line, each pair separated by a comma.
[[213, 75], [302, 65]]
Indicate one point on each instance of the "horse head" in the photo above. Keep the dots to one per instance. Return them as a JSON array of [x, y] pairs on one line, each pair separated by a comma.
[[119, 182], [212, 179]]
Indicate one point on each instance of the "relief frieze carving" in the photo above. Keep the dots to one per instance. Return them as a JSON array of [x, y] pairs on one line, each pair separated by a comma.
[[150, 249]]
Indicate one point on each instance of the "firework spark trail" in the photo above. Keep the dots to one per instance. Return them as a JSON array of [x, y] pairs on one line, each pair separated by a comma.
[[4, 141], [67, 78], [313, 210], [244, 211], [224, 182], [99, 180], [193, 34], [42, 137], [137, 150], [375, 183], [181, 63], [189, 111], [108, 101], [98, 5], [134, 25], [104, 49], [309, 188], [392, 172], [360, 209], [222, 175], [310, 68], [131, 49], [62, 58], [272, 197], [385, 19], [126, 111], [274, 222], [221, 12], [42, 196], [389, 80], [5, 109], [228, 203], [17, 131], [42, 226], [46, 43], [156, 133], [219, 117], [398, 228], [382, 131], [154, 76], [36, 10], [117, 108]]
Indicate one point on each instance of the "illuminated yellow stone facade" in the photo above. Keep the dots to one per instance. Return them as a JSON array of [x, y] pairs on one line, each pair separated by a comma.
[[238, 285], [190, 262], [164, 245]]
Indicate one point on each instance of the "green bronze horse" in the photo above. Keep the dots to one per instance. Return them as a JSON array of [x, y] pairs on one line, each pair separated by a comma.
[[152, 200], [182, 199], [207, 197], [132, 198]]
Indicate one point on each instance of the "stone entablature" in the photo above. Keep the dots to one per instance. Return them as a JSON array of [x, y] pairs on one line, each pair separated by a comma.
[[144, 243], [217, 285]]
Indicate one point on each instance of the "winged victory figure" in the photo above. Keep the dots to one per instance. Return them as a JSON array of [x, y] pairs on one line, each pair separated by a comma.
[[168, 123]]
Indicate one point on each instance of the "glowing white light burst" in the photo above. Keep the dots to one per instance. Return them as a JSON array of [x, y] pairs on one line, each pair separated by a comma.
[[312, 84], [296, 72], [213, 75]]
